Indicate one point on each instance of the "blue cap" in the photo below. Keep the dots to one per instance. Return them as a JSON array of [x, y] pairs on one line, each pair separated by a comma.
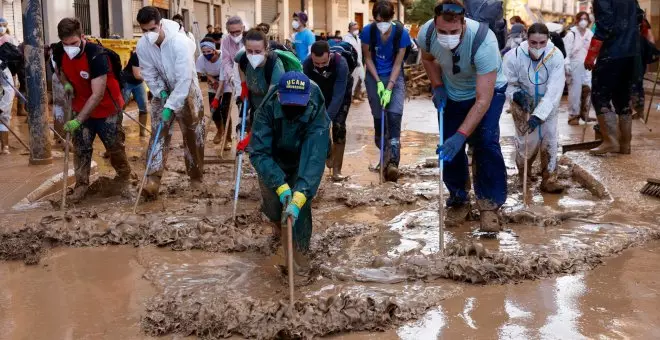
[[294, 88]]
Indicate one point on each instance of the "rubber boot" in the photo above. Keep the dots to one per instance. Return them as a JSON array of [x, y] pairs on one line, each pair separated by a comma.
[[151, 186], [574, 120], [4, 140], [625, 133], [607, 124], [489, 221], [392, 169], [228, 143], [456, 212], [20, 109], [338, 161], [78, 194], [330, 160], [142, 117], [550, 183], [584, 103], [597, 134], [218, 135]]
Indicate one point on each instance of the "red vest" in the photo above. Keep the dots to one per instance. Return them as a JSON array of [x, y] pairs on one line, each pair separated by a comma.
[[78, 73]]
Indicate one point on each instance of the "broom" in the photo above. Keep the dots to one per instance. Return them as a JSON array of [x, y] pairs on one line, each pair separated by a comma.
[[652, 187]]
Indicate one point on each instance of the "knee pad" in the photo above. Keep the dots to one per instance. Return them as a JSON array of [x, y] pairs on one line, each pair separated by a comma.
[[339, 133]]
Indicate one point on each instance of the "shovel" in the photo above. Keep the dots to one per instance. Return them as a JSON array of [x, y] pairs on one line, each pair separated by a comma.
[[289, 259], [239, 161], [441, 202]]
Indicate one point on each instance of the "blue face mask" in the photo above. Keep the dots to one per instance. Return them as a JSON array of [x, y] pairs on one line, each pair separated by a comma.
[[209, 56]]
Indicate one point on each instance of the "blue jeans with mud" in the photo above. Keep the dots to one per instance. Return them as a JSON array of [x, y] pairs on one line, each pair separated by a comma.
[[393, 114], [489, 171], [272, 208]]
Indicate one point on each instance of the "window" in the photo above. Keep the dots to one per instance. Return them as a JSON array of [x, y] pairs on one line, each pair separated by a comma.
[[81, 9]]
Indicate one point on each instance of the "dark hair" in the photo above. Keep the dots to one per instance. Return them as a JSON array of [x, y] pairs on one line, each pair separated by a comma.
[[538, 28], [320, 48], [207, 39], [178, 17], [383, 9], [580, 14], [264, 27], [69, 27], [518, 20], [207, 26], [148, 14], [256, 35]]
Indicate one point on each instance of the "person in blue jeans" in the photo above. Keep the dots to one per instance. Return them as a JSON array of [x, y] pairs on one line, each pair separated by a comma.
[[134, 86], [462, 58], [384, 45]]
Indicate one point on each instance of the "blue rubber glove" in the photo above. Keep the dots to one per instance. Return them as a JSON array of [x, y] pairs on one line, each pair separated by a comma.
[[525, 101], [450, 148], [533, 123], [439, 97], [293, 209], [284, 192], [167, 114]]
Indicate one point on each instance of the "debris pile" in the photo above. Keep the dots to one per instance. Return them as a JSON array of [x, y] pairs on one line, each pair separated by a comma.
[[417, 81]]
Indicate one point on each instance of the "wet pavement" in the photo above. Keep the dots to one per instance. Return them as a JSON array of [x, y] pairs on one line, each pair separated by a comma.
[[578, 265]]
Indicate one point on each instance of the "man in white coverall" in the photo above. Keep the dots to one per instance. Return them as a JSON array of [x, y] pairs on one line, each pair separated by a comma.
[[167, 61], [577, 42], [353, 38], [535, 71]]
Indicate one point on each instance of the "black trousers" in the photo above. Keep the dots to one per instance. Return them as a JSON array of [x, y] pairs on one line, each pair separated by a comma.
[[611, 84]]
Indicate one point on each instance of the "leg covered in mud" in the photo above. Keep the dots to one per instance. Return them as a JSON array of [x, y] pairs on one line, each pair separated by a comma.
[[111, 133], [83, 141], [339, 138], [548, 136], [526, 145]]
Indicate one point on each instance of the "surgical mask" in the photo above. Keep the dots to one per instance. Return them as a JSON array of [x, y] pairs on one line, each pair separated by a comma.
[[255, 59], [237, 39], [535, 52], [356, 33], [517, 40], [383, 27], [209, 56], [72, 51], [152, 37], [292, 112], [583, 24], [3, 30], [295, 24], [448, 42]]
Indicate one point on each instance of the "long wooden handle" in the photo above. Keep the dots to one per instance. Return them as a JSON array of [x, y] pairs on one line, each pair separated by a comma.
[[65, 172], [289, 231], [224, 134]]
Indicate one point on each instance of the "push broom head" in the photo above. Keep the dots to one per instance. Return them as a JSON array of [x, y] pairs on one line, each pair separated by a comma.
[[652, 187]]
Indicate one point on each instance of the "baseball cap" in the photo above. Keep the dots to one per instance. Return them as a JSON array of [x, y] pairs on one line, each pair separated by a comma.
[[302, 16], [294, 88]]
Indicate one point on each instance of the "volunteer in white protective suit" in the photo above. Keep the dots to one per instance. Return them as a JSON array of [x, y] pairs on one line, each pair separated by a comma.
[[535, 71], [577, 42], [353, 37], [6, 102], [168, 67]]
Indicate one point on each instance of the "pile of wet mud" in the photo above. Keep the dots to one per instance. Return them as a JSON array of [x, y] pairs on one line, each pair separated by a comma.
[[86, 228], [353, 196]]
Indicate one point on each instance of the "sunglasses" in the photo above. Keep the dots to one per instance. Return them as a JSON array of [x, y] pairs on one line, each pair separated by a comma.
[[455, 59], [449, 9]]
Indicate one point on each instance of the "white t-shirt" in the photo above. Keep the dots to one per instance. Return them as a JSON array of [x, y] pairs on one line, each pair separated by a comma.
[[210, 69]]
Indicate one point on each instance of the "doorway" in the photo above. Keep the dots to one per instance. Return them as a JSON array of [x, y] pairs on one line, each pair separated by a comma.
[[104, 19], [359, 19]]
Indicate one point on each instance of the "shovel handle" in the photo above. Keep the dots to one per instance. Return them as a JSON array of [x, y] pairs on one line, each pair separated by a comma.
[[289, 231]]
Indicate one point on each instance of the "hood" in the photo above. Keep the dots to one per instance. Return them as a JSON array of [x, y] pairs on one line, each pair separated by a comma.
[[554, 27], [170, 27], [525, 47]]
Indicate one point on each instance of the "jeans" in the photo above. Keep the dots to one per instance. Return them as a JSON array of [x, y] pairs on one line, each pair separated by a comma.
[[489, 171], [139, 94]]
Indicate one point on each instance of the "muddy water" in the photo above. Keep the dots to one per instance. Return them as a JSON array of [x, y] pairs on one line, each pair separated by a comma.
[[375, 249]]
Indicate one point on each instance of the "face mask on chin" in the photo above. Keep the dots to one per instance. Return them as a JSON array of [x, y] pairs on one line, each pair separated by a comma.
[[292, 112]]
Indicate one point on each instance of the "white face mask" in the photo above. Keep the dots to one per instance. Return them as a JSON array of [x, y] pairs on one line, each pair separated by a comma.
[[152, 37], [536, 52], [517, 40], [72, 51], [583, 24], [3, 29], [237, 39], [295, 24], [356, 33], [383, 27], [255, 59], [449, 42]]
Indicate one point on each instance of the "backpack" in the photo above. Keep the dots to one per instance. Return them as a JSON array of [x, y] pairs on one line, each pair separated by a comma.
[[479, 38], [396, 41], [346, 50], [12, 58], [490, 12], [113, 59], [558, 42], [289, 61]]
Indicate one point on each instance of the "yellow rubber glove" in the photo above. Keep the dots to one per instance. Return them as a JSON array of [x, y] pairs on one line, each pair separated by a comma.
[[385, 98], [381, 89], [284, 192]]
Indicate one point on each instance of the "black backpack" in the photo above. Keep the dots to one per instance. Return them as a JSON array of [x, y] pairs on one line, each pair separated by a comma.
[[398, 32], [479, 38], [12, 58], [113, 59], [346, 50], [558, 42]]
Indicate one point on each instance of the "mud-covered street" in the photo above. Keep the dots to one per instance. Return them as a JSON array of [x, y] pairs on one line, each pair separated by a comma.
[[582, 264]]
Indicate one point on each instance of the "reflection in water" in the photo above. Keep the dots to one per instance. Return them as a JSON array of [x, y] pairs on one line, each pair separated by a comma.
[[429, 327], [467, 309], [563, 324], [511, 329]]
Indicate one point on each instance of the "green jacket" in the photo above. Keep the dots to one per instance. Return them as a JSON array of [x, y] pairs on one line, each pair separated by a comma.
[[280, 147]]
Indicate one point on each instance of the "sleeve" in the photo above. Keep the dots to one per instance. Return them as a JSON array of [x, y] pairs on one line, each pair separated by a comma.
[[421, 38], [227, 62], [488, 59], [134, 61], [554, 89], [199, 65], [405, 39], [7, 99], [180, 51], [237, 58], [278, 71], [364, 35], [311, 39], [148, 68], [99, 65], [569, 40], [605, 19], [339, 89], [511, 74], [314, 150], [261, 146]]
